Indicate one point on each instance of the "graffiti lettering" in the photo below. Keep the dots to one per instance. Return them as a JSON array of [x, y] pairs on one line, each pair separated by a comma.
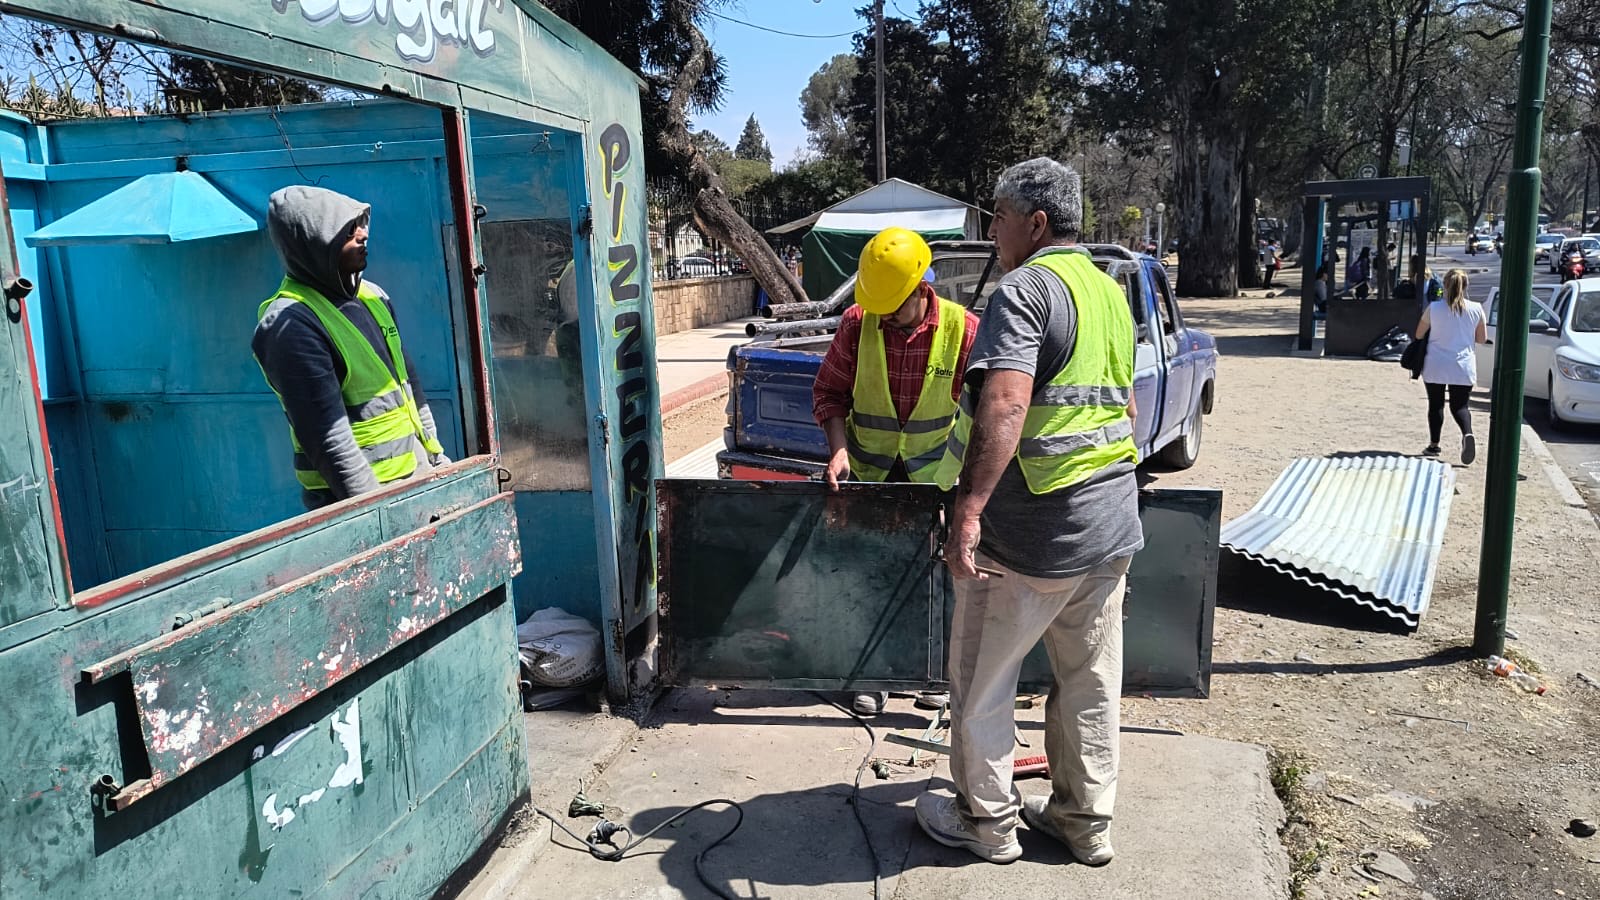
[[423, 25], [633, 391]]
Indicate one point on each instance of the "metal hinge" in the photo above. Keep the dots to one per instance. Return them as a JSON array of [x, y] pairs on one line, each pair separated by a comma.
[[585, 220], [604, 424], [217, 605]]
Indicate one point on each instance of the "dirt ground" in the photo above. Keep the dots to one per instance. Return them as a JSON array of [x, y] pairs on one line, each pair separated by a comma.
[[690, 426], [1475, 810], [1356, 714]]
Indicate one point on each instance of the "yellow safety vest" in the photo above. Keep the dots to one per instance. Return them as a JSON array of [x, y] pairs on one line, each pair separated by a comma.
[[383, 413], [1078, 423], [874, 435]]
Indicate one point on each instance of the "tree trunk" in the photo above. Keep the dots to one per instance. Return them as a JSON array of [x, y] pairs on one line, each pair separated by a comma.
[[714, 211], [1250, 272], [1206, 193]]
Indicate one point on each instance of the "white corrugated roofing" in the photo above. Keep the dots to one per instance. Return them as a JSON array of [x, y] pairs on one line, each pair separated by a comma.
[[1368, 528]]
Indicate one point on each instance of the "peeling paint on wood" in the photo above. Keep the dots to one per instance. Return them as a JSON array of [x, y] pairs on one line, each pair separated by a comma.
[[212, 683]]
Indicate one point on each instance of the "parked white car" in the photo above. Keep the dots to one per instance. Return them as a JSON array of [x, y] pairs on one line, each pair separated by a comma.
[[1563, 349]]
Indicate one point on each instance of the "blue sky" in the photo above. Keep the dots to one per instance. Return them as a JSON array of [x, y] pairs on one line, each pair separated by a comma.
[[767, 72]]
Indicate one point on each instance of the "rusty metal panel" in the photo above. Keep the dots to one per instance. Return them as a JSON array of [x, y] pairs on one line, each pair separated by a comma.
[[226, 675], [1171, 599], [785, 585], [1366, 528]]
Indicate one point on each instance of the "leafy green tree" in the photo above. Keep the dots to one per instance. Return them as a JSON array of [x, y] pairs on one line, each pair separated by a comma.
[[1132, 216], [663, 42], [913, 105], [203, 84], [997, 84], [825, 107], [814, 184], [753, 144], [1208, 75]]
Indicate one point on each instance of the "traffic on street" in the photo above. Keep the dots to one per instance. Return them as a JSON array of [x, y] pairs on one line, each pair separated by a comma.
[[1575, 447]]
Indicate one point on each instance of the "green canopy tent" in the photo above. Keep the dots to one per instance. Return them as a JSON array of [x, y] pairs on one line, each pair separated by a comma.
[[833, 245]]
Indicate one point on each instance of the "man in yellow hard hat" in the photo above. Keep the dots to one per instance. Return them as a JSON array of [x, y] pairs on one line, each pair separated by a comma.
[[890, 382]]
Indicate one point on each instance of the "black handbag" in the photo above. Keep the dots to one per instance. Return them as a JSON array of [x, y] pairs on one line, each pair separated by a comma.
[[1415, 352]]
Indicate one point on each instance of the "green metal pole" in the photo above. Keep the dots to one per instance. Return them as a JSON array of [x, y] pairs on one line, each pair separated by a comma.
[[1516, 286]]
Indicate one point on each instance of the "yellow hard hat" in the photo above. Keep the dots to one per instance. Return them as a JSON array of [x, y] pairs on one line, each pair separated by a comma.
[[891, 265]]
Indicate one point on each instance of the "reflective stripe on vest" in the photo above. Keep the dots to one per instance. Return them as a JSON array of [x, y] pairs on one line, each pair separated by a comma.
[[378, 402], [874, 434], [1078, 423]]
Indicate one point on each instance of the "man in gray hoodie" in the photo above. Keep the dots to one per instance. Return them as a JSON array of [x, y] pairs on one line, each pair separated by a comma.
[[329, 348]]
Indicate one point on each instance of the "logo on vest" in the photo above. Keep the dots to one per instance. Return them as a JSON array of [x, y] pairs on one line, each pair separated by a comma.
[[938, 371], [424, 25]]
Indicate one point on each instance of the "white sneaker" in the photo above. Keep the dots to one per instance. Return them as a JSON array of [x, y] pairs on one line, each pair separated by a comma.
[[1091, 849], [938, 817], [869, 703]]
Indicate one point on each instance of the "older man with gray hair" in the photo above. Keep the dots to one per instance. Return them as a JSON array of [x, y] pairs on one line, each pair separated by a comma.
[[1047, 500]]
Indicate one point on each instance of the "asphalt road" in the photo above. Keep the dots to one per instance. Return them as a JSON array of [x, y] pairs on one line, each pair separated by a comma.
[[1576, 448]]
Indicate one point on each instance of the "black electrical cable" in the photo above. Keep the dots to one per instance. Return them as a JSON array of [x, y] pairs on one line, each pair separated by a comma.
[[780, 31], [855, 793], [601, 845]]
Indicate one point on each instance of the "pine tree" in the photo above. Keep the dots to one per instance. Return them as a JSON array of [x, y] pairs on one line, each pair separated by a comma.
[[752, 143]]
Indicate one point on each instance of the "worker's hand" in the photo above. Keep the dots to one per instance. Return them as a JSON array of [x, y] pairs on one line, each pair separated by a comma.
[[838, 470], [965, 531]]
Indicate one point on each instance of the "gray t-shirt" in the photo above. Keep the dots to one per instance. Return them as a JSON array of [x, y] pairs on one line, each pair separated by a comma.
[[1031, 326]]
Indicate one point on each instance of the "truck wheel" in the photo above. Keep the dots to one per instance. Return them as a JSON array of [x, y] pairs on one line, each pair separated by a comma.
[[1183, 452]]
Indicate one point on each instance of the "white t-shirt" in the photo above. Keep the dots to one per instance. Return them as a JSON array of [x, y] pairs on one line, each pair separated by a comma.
[[1451, 336]]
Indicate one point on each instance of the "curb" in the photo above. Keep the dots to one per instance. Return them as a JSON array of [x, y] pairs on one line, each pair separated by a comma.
[[1552, 470], [709, 386]]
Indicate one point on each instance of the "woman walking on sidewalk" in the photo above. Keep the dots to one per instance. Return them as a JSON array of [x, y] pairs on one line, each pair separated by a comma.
[[1452, 325]]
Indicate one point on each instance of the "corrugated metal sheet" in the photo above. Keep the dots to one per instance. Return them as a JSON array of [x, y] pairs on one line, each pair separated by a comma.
[[1367, 528]]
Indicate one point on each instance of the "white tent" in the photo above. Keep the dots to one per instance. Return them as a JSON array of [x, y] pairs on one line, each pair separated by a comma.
[[839, 232]]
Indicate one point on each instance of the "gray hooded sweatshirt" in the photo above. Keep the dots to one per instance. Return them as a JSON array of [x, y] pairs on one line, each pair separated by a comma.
[[309, 226]]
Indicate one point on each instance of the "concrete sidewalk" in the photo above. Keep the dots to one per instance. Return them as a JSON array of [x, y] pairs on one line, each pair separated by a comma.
[[692, 365], [1197, 817]]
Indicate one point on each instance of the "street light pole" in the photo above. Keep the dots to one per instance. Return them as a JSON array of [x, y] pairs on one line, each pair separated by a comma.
[[1516, 285], [883, 156], [1161, 229]]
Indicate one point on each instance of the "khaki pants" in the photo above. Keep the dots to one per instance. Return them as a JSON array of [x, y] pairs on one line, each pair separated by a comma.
[[997, 622]]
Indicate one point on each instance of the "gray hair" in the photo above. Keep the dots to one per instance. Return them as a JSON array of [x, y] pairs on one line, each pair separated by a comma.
[[1043, 185]]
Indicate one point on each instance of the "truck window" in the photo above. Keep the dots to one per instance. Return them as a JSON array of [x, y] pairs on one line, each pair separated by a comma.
[[955, 278], [1130, 284], [1169, 329]]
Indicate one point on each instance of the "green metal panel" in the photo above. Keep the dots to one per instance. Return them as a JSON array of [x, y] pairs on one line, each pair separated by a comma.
[[439, 759], [226, 675], [439, 750], [1171, 598], [31, 580], [785, 585]]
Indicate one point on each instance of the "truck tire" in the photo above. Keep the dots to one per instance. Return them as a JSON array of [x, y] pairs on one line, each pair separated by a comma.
[[1185, 451]]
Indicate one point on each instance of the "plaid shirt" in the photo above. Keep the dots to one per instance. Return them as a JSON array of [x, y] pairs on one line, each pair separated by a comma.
[[905, 354]]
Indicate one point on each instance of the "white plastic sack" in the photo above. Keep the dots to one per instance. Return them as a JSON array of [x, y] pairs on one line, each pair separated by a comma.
[[560, 649]]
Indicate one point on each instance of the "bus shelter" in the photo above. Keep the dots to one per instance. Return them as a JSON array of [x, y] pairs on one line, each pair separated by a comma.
[[1353, 324]]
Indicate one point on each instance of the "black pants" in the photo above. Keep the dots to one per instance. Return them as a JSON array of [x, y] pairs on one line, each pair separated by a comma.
[[1459, 395]]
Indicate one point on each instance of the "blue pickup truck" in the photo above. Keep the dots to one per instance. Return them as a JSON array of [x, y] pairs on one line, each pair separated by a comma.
[[771, 435]]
